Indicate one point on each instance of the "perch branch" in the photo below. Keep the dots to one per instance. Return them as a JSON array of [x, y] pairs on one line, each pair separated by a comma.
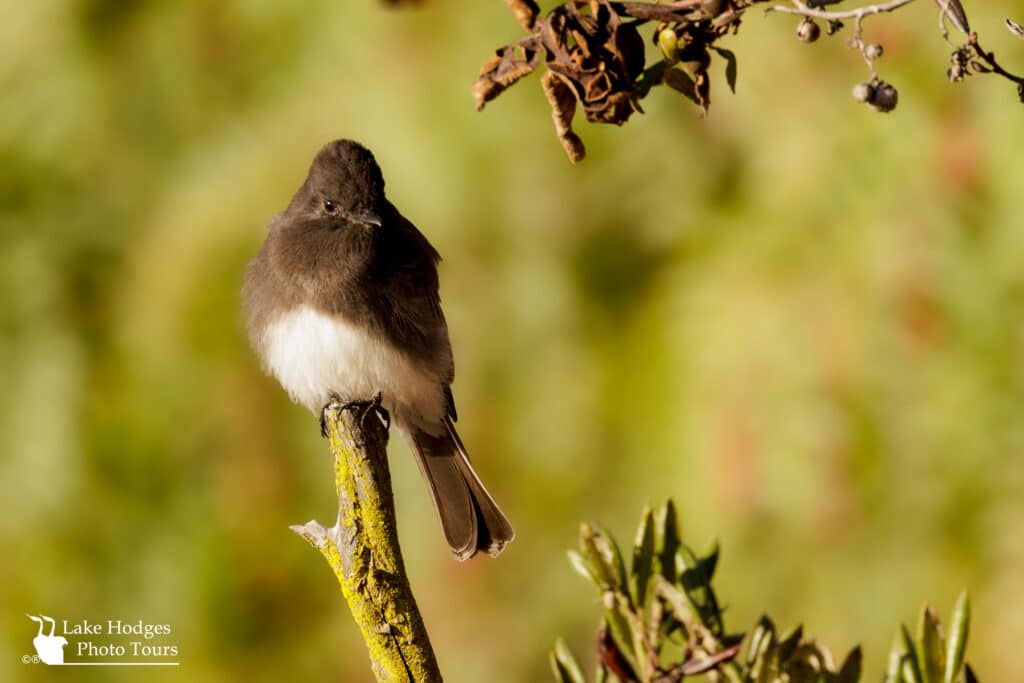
[[363, 551]]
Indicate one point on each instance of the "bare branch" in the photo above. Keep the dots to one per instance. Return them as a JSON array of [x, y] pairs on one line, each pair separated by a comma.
[[801, 9]]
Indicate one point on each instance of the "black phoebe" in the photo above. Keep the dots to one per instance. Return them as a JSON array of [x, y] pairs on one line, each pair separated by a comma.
[[342, 301]]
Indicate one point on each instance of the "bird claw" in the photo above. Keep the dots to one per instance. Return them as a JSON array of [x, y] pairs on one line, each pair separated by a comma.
[[360, 408], [333, 402]]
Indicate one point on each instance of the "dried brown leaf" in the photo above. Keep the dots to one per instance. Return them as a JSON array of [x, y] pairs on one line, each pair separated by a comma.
[[628, 48], [563, 105], [596, 56], [552, 32], [508, 65], [597, 87], [526, 13], [616, 108], [1015, 28], [703, 90], [954, 11]]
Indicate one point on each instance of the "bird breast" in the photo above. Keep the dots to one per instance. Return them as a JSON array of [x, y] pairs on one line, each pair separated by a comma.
[[314, 354]]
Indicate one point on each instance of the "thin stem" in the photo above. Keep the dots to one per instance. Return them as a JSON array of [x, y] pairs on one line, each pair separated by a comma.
[[990, 59], [857, 14]]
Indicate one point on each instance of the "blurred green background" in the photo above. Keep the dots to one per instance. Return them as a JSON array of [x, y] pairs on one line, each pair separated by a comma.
[[801, 319]]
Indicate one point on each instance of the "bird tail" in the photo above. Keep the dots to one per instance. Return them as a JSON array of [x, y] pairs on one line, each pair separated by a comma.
[[470, 518]]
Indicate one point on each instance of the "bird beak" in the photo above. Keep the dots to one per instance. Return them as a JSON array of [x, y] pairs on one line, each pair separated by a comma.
[[368, 218]]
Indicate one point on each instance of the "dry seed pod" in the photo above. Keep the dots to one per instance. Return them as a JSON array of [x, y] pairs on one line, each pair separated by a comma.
[[808, 31], [885, 97], [863, 92], [873, 51]]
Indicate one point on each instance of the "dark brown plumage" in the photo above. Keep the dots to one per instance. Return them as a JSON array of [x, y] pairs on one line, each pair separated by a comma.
[[343, 300]]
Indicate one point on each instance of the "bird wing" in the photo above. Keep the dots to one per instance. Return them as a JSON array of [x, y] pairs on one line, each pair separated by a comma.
[[413, 296]]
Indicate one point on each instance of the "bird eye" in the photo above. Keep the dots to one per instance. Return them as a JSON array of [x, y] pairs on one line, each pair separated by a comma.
[[329, 206]]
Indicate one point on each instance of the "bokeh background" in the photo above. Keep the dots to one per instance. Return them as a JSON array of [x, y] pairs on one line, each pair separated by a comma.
[[801, 319]]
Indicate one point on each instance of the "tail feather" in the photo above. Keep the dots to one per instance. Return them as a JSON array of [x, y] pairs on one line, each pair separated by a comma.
[[470, 518]]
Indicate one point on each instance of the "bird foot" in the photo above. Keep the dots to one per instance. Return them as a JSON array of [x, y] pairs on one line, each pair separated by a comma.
[[360, 408]]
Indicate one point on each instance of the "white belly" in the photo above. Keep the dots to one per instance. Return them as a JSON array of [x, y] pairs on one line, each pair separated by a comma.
[[314, 355]]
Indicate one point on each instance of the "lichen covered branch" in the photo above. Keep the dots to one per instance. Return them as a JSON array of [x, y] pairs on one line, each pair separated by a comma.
[[363, 552]]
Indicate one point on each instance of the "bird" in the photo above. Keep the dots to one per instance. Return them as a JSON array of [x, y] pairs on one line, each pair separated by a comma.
[[342, 303]]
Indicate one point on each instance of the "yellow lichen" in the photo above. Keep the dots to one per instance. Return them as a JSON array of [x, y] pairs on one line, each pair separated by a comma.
[[368, 565]]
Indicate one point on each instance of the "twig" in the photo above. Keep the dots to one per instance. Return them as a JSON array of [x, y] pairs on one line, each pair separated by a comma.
[[990, 59], [857, 13], [644, 11], [363, 551]]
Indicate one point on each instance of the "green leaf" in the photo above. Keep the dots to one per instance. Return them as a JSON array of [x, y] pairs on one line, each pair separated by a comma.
[[849, 672], [600, 552], [584, 569], [679, 80], [807, 664], [693, 589], [801, 673], [666, 528], [909, 669], [676, 600], [766, 666], [638, 634], [612, 556], [930, 647], [911, 666], [958, 631], [695, 576], [789, 643], [709, 563], [760, 639], [564, 665], [597, 553], [730, 66], [893, 672], [701, 569], [818, 653], [643, 557], [651, 76], [621, 633]]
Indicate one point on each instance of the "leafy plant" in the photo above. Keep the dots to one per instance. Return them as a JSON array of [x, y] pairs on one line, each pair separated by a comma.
[[928, 657], [662, 622]]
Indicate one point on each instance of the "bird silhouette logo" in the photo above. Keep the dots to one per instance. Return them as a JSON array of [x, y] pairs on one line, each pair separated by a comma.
[[50, 648]]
